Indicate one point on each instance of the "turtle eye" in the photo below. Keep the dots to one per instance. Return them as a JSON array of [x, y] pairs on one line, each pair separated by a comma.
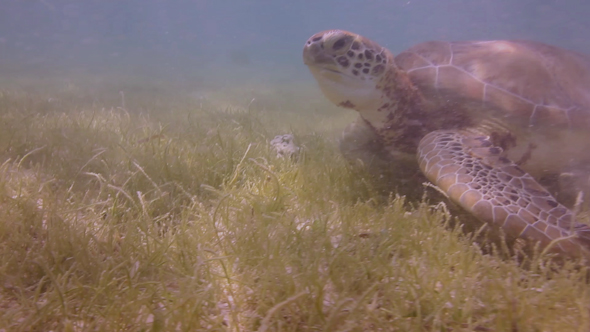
[[339, 44]]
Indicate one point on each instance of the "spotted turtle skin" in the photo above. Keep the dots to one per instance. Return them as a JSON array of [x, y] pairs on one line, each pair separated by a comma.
[[484, 121]]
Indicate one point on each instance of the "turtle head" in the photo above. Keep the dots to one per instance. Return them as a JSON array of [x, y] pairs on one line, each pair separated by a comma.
[[350, 69]]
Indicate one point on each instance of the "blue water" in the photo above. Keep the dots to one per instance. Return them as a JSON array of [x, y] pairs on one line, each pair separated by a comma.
[[235, 39]]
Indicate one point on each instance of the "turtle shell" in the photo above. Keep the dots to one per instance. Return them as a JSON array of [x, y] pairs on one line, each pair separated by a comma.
[[525, 81]]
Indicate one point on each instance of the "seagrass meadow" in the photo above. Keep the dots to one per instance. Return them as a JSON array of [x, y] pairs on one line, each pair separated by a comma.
[[128, 205]]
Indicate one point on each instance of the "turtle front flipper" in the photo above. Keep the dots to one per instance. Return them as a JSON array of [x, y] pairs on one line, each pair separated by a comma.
[[476, 175]]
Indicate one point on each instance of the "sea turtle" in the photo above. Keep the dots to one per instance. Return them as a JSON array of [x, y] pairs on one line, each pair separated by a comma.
[[484, 121]]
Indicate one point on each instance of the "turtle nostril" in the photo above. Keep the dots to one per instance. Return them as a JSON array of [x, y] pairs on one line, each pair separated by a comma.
[[316, 39]]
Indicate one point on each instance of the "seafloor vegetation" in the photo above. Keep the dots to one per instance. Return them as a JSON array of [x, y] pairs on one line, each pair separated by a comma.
[[156, 209]]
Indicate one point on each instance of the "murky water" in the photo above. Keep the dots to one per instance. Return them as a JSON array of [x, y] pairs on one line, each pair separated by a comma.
[[240, 42]]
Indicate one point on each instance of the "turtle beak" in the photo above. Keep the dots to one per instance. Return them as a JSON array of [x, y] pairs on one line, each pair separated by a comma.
[[313, 51], [313, 55]]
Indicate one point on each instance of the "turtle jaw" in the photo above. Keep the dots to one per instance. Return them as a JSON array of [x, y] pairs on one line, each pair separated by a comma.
[[347, 67], [346, 91]]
